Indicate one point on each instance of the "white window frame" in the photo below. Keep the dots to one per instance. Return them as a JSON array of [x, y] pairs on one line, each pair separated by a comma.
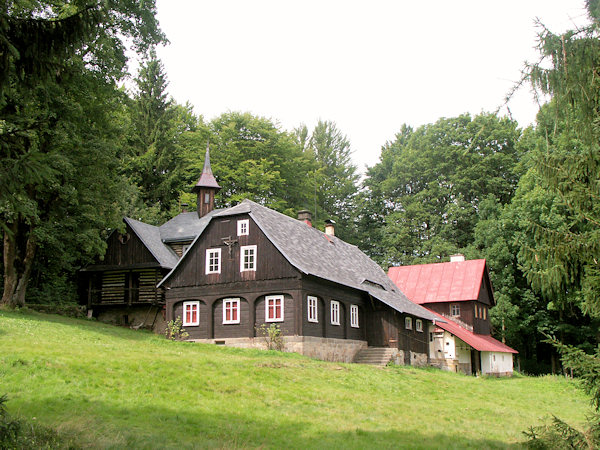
[[334, 309], [312, 306], [193, 323], [268, 300], [243, 227], [419, 325], [243, 250], [455, 307], [354, 316], [231, 301], [408, 323], [209, 253]]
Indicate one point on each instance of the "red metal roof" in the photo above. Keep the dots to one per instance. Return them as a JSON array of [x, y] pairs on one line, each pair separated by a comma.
[[440, 282], [481, 342]]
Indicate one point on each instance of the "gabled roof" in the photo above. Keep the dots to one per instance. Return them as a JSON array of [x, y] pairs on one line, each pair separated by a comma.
[[481, 342], [440, 282], [150, 236], [314, 253]]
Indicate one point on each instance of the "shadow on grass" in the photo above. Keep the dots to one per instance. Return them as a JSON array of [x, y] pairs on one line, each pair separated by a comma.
[[101, 424]]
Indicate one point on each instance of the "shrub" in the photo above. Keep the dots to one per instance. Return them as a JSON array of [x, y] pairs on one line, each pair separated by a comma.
[[272, 336], [175, 330]]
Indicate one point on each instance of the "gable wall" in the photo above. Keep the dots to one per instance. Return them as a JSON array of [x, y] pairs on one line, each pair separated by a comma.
[[133, 251], [270, 264]]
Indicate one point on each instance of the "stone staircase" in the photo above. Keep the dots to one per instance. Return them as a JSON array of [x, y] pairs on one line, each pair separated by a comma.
[[377, 356]]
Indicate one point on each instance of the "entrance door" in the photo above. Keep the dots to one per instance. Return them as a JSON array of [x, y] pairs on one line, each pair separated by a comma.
[[382, 330]]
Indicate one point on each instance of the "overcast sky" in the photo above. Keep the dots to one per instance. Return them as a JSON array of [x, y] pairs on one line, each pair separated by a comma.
[[369, 66]]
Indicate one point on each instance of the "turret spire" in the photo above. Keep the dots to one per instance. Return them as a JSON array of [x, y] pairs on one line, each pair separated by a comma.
[[206, 187]]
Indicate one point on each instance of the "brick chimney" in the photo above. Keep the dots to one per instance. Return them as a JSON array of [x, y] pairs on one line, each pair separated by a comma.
[[305, 216], [330, 227]]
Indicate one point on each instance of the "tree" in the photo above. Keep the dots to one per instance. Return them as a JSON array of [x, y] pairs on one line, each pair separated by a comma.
[[335, 178], [155, 164], [431, 181], [55, 129], [251, 158]]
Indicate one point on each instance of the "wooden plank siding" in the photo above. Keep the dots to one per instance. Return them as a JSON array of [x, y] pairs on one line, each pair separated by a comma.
[[126, 250], [125, 287], [326, 292], [270, 263]]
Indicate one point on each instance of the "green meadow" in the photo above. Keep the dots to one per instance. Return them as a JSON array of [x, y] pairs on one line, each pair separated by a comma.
[[99, 386]]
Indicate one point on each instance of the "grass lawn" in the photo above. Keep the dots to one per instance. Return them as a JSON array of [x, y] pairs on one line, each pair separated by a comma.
[[108, 387]]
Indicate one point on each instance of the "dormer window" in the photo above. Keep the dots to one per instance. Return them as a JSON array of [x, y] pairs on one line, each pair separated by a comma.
[[243, 227]]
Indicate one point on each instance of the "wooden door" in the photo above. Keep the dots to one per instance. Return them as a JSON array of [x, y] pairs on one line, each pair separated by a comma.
[[382, 330]]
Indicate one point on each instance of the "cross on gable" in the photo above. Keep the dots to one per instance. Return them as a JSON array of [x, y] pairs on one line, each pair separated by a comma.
[[230, 243]]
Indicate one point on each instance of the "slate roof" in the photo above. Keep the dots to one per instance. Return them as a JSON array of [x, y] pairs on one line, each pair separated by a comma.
[[184, 226], [328, 257], [440, 282], [481, 342], [150, 236]]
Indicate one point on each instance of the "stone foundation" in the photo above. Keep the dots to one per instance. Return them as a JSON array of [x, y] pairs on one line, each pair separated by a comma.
[[142, 316], [326, 349], [418, 359]]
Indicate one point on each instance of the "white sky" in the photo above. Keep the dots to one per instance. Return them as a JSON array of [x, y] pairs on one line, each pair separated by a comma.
[[368, 66]]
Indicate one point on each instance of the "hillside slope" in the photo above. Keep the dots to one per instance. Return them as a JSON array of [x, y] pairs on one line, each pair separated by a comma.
[[114, 387]]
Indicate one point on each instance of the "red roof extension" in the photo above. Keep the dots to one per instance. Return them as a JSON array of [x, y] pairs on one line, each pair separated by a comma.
[[481, 342], [440, 282]]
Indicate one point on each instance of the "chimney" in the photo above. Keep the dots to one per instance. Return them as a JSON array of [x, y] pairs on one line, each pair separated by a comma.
[[305, 216], [184, 207], [330, 227], [457, 258]]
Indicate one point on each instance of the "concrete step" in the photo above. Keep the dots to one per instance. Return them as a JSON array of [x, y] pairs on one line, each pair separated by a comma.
[[377, 356]]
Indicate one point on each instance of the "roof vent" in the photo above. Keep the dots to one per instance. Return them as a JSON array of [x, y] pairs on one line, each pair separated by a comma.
[[305, 216], [330, 227], [457, 258]]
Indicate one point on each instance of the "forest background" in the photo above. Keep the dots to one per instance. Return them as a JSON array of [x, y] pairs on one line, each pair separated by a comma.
[[79, 152]]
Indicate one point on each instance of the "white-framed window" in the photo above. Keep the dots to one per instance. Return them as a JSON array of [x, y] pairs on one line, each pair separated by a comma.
[[354, 316], [185, 248], [231, 310], [408, 323], [335, 312], [206, 198], [455, 309], [313, 309], [191, 314], [419, 325], [213, 260], [243, 227], [247, 258], [274, 308]]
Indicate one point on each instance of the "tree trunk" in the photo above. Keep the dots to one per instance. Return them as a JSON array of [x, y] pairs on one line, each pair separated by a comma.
[[19, 252]]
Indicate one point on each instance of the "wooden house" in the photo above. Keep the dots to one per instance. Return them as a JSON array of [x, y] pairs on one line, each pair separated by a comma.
[[460, 292], [227, 272], [252, 266]]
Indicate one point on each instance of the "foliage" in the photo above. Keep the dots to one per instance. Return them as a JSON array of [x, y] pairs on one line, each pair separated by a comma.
[[175, 331], [561, 435], [431, 180], [155, 161], [272, 336], [252, 158], [335, 178], [113, 387], [58, 141]]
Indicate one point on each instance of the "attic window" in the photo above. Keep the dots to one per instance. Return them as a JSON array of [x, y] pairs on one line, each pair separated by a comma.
[[373, 284], [242, 227]]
